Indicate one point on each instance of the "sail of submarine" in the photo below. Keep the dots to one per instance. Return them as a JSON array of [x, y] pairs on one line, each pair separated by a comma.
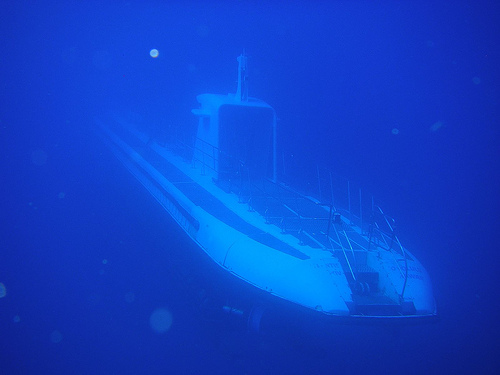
[[314, 250]]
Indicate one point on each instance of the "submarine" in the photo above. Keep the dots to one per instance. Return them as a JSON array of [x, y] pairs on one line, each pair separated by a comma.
[[331, 250]]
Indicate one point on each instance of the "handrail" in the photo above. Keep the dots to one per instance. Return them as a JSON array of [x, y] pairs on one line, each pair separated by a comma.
[[403, 252], [343, 251], [202, 152], [350, 246], [212, 155]]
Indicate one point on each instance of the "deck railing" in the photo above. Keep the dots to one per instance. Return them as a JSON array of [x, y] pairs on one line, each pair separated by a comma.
[[362, 211], [310, 215]]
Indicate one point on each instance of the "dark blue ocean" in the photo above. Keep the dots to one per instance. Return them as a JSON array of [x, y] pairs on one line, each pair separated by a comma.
[[401, 97]]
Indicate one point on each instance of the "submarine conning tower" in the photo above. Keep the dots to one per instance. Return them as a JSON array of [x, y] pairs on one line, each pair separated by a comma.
[[236, 133]]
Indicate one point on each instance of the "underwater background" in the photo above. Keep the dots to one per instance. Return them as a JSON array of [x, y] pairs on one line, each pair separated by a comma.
[[401, 97]]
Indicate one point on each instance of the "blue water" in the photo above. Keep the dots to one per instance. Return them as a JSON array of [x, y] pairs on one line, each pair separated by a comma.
[[401, 97]]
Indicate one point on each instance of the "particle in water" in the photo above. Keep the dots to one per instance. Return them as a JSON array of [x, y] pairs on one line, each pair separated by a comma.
[[436, 126], [160, 320], [38, 157], [56, 337], [130, 297]]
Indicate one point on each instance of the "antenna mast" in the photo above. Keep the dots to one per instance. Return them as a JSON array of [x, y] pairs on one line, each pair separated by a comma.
[[242, 90]]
